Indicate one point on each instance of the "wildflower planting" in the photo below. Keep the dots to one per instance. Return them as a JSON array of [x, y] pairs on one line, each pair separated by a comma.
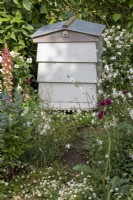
[[75, 155]]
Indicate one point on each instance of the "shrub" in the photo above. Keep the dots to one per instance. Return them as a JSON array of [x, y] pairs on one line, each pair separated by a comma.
[[15, 133]]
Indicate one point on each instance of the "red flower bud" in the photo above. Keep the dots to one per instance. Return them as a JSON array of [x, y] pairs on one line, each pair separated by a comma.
[[28, 80]]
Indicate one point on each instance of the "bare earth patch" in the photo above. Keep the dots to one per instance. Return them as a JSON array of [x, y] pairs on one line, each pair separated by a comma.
[[75, 155]]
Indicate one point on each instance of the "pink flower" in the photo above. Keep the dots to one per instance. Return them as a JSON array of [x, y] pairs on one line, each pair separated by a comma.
[[108, 101], [100, 114]]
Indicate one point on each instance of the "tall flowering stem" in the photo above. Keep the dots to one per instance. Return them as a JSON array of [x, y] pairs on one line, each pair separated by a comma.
[[7, 71], [107, 169]]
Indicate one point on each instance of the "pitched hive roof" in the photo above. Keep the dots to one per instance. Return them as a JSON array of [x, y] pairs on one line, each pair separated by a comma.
[[80, 26]]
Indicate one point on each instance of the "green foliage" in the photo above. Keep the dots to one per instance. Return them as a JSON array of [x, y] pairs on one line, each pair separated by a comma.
[[19, 19], [58, 130], [116, 17], [118, 161], [14, 132], [15, 115], [22, 76], [27, 4], [15, 32]]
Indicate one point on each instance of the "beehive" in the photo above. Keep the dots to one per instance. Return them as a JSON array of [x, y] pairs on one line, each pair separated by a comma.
[[68, 56]]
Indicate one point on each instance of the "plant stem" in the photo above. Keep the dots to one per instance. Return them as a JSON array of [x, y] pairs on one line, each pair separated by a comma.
[[107, 168]]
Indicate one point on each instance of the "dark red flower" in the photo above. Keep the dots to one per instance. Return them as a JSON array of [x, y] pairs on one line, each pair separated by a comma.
[[100, 114], [124, 92], [108, 101], [102, 103]]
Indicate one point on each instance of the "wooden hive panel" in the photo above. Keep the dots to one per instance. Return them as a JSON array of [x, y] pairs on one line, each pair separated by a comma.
[[68, 94], [67, 52], [60, 72]]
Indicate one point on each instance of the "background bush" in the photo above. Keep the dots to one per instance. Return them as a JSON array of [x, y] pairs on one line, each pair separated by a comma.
[[19, 19]]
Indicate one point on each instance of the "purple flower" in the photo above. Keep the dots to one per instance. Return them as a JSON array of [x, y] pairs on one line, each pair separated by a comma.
[[108, 101]]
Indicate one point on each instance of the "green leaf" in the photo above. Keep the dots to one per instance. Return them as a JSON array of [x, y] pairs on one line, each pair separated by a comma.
[[73, 2], [17, 20], [79, 16], [4, 19], [131, 4], [81, 167], [13, 36], [86, 169], [114, 181], [53, 20], [116, 17], [43, 8], [28, 27], [4, 14], [130, 24], [1, 31], [25, 33], [117, 182], [27, 4], [7, 28], [16, 2]]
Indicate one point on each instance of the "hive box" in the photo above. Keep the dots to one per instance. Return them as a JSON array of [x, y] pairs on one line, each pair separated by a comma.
[[68, 56]]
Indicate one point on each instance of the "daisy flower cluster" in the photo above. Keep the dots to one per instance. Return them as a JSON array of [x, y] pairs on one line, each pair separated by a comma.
[[117, 76], [48, 185]]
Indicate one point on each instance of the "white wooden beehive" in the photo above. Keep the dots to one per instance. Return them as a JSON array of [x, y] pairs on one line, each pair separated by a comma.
[[67, 51]]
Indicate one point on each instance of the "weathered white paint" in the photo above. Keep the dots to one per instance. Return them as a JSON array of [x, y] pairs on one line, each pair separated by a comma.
[[59, 72], [68, 93], [67, 52]]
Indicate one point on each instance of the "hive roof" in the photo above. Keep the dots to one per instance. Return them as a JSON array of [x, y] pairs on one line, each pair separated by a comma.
[[80, 26]]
